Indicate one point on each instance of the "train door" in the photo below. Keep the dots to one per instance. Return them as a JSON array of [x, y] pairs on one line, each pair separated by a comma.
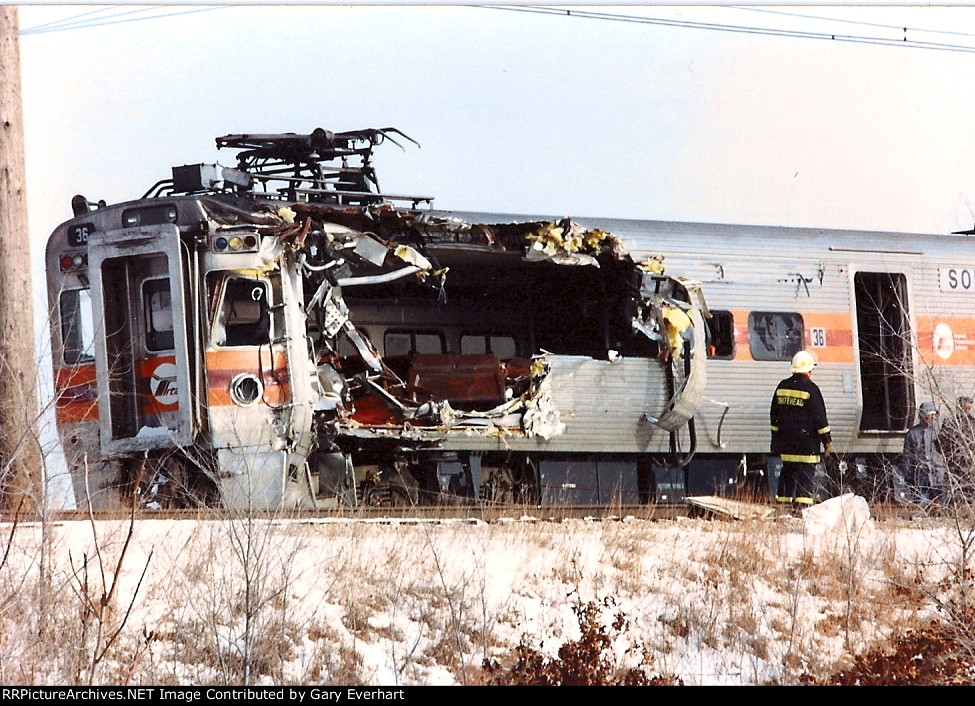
[[141, 350], [884, 340]]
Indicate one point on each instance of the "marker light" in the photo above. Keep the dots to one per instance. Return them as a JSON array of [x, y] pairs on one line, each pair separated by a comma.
[[245, 242], [73, 262]]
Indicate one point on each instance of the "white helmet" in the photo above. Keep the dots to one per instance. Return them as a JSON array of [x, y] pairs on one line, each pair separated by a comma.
[[803, 362]]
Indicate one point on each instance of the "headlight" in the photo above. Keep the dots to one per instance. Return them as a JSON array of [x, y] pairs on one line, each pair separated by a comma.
[[246, 389]]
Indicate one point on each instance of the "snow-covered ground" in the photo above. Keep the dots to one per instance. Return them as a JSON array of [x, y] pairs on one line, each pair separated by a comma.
[[426, 602]]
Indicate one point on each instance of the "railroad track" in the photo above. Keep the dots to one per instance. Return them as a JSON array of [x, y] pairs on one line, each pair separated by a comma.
[[418, 513], [473, 513]]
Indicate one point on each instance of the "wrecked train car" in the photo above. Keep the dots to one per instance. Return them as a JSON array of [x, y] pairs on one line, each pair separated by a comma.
[[283, 334]]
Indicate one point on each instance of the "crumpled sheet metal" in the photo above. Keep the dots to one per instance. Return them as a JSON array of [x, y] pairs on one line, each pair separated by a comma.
[[690, 388], [542, 418], [666, 321], [378, 236], [663, 317], [532, 414], [561, 241], [568, 243]]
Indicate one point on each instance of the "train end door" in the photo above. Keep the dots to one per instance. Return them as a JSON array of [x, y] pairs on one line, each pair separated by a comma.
[[142, 351]]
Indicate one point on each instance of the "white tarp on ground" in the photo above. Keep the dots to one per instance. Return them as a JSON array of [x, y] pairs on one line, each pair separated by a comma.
[[847, 512]]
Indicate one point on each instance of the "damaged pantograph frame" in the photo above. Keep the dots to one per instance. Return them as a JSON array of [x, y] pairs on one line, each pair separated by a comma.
[[335, 348]]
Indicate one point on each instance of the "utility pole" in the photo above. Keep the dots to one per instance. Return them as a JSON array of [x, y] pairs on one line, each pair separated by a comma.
[[20, 456]]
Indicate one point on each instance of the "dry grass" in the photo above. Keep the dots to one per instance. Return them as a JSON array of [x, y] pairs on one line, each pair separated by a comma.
[[343, 603]]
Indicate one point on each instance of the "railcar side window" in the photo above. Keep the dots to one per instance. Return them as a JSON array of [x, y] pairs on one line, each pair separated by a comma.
[[159, 314], [245, 317], [399, 343], [775, 335], [502, 346], [721, 335], [77, 328]]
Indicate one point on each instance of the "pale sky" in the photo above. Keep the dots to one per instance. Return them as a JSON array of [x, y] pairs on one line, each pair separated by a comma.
[[526, 113], [520, 112]]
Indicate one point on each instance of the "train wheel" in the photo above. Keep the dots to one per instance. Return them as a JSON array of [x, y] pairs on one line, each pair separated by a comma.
[[500, 487], [372, 496]]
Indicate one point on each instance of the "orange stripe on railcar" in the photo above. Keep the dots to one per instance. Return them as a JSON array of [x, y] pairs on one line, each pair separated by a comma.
[[222, 366], [832, 342], [946, 340], [76, 394]]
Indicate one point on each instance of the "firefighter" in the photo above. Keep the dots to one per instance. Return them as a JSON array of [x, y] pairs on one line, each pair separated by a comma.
[[799, 429]]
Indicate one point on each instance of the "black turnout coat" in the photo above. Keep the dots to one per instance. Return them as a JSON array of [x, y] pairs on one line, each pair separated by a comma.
[[799, 424]]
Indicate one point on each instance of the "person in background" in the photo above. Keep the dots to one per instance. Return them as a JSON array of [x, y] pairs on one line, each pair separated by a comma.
[[922, 462], [799, 429]]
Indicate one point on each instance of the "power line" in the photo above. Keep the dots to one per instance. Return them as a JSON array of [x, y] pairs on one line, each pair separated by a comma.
[[54, 24], [738, 29], [86, 21], [91, 18], [852, 22]]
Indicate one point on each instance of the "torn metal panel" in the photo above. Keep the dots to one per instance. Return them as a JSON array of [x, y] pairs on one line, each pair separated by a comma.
[[542, 417], [343, 248], [734, 509], [369, 251]]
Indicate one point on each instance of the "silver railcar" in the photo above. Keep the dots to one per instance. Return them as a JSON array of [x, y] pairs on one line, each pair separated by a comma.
[[283, 334]]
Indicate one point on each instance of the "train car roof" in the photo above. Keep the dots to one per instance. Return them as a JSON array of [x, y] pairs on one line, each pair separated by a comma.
[[719, 235]]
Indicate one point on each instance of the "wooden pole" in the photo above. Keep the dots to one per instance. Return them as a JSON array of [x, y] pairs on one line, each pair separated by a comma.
[[20, 457]]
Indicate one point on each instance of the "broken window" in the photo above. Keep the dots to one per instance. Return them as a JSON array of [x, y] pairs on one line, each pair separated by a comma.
[[244, 318], [159, 314], [77, 329], [518, 308], [774, 335], [721, 335]]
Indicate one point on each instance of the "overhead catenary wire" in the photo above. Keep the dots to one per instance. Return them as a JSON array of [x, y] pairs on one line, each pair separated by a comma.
[[97, 18], [576, 13], [772, 11]]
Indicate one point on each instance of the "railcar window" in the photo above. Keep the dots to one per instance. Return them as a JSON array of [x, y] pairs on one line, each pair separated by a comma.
[[77, 329], [159, 314], [721, 335], [244, 318], [428, 343], [400, 343], [502, 346], [775, 335]]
